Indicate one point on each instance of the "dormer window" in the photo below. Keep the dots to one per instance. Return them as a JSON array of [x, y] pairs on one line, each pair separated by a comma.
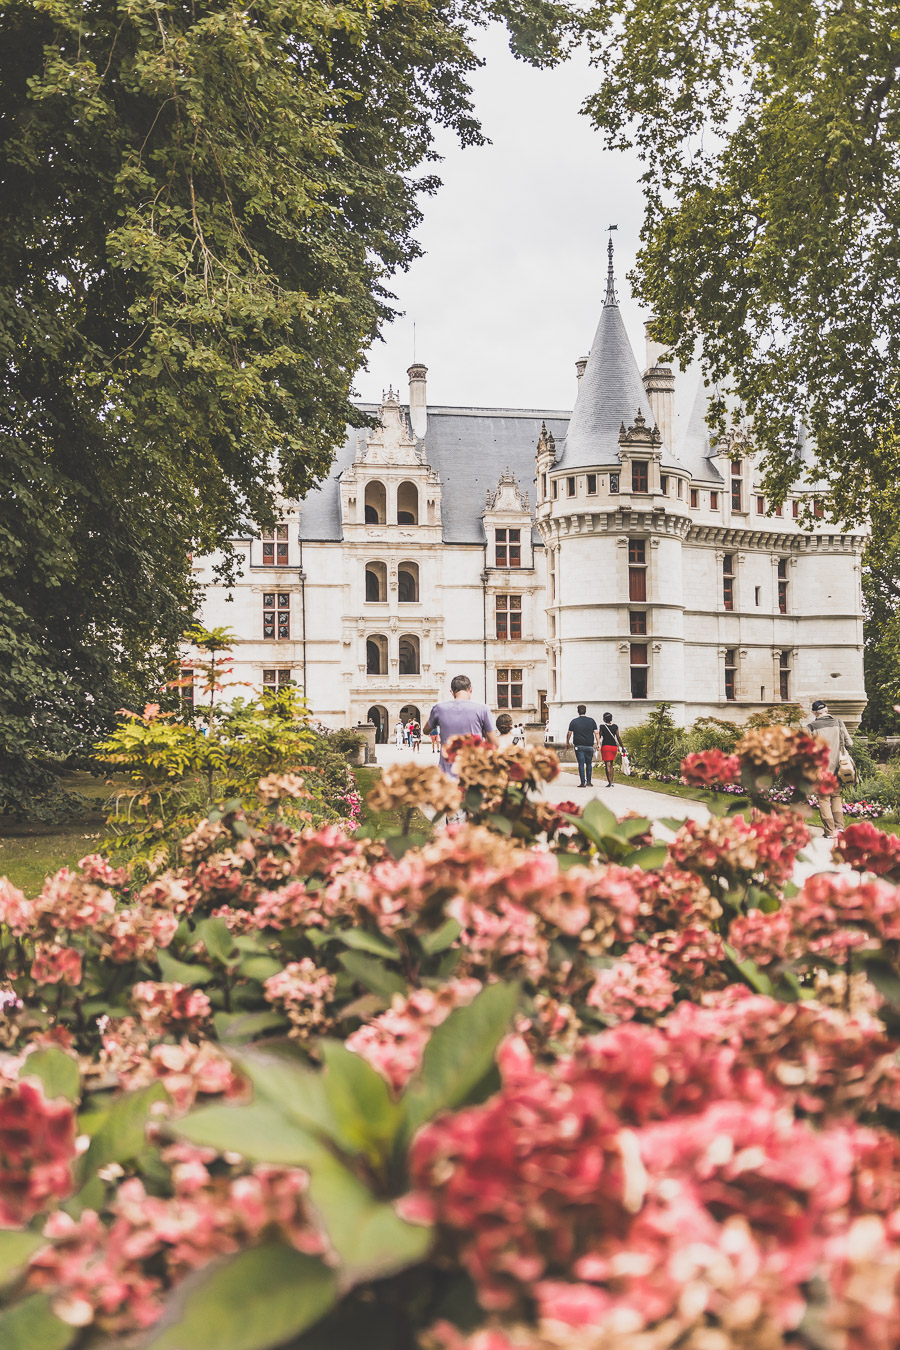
[[507, 548], [275, 546], [640, 475]]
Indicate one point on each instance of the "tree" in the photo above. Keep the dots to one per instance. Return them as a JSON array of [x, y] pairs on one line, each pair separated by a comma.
[[772, 228], [200, 207], [881, 590]]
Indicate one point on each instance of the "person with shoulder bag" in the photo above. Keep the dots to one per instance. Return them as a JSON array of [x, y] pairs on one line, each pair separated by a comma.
[[832, 731]]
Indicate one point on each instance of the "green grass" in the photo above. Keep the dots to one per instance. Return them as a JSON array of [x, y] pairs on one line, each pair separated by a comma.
[[32, 851], [366, 778]]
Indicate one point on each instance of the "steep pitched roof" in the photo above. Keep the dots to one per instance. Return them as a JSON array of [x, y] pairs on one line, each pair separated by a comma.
[[610, 392], [695, 446], [470, 448]]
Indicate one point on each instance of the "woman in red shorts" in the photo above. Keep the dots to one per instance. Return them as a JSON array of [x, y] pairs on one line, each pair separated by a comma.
[[610, 745]]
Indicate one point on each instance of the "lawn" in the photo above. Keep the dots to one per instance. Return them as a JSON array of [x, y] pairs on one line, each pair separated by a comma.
[[29, 852]]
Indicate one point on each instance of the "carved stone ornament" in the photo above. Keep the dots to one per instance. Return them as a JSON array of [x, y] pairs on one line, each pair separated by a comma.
[[507, 495]]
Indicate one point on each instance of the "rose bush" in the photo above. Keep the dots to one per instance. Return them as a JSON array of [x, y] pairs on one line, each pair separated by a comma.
[[535, 1082]]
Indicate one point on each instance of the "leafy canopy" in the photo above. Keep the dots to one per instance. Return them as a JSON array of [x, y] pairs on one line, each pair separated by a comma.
[[772, 226], [200, 208]]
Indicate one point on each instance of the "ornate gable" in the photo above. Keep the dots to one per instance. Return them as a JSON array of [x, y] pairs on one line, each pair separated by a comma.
[[507, 496], [392, 442]]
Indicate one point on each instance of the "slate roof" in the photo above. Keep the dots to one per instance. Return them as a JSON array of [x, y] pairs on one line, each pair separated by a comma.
[[469, 447], [694, 444], [610, 392]]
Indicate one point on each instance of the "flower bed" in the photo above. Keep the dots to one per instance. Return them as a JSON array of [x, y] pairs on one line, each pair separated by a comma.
[[534, 1083]]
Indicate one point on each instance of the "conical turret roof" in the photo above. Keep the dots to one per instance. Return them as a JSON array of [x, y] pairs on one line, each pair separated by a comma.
[[610, 392]]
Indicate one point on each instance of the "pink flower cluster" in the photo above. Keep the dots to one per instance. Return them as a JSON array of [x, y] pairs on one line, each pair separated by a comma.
[[638, 1185], [870, 850], [639, 982], [170, 1007], [113, 1275], [710, 769], [303, 989], [394, 1042], [55, 965], [37, 1149], [766, 846]]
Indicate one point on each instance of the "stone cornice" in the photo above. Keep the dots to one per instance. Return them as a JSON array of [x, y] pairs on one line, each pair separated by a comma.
[[731, 537]]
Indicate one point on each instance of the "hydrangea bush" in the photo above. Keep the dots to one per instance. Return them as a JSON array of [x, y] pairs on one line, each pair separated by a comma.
[[535, 1082]]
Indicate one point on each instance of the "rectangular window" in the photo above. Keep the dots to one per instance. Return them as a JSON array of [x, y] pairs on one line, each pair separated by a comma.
[[544, 486], [275, 546], [818, 508], [508, 614], [570, 487], [731, 673], [737, 486], [637, 569], [760, 506], [795, 508], [728, 580], [640, 476], [592, 485], [276, 677], [555, 488], [509, 687], [276, 615], [782, 585], [695, 498], [778, 510], [638, 659], [613, 482], [680, 482], [714, 501], [757, 595], [664, 484], [507, 548], [186, 690], [784, 676], [637, 622]]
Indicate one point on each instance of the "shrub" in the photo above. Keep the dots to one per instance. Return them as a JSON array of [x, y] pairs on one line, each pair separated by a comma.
[[656, 743]]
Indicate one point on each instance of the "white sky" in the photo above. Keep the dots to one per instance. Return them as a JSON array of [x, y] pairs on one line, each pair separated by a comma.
[[508, 292]]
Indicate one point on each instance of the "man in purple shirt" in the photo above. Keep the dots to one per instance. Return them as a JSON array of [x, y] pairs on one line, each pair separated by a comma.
[[459, 716]]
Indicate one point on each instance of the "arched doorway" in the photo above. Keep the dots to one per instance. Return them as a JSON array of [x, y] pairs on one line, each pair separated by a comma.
[[378, 716], [410, 713]]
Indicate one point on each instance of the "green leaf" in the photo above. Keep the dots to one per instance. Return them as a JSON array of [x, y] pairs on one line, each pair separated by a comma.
[[599, 817], [58, 1072], [460, 1054], [648, 858], [368, 1119], [180, 972], [294, 1087], [502, 824], [673, 823], [258, 1131], [31, 1325], [756, 978], [372, 974], [239, 1027], [566, 860], [441, 938], [627, 829], [17, 1246], [258, 1299], [122, 1135], [369, 1237], [259, 967], [361, 941], [885, 979], [215, 936]]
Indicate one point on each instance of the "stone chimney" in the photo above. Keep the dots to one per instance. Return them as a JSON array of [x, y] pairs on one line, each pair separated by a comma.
[[418, 407], [659, 382], [581, 367]]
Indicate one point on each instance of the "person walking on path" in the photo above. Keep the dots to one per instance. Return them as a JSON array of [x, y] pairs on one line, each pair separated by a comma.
[[460, 716], [610, 745], [583, 734], [504, 731], [398, 736], [415, 736], [832, 731]]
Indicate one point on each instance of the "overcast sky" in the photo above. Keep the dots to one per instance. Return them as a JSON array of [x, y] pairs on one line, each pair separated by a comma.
[[508, 292]]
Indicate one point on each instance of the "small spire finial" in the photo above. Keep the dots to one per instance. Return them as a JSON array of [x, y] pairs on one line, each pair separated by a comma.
[[610, 273]]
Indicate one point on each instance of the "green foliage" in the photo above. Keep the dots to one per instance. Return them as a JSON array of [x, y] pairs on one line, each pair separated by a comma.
[[200, 210], [256, 1299], [655, 743], [32, 1325], [770, 139]]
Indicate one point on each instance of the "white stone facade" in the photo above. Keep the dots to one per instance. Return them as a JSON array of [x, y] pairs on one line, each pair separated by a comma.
[[643, 573]]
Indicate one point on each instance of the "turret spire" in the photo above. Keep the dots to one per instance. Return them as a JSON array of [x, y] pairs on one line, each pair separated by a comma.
[[610, 274]]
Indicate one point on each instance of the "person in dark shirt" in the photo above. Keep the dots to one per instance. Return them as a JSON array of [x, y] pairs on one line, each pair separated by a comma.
[[583, 734], [610, 745]]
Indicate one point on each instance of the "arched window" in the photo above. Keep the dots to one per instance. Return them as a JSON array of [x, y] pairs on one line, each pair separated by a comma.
[[379, 718], [409, 655], [408, 583], [376, 503], [376, 654], [376, 581], [407, 504]]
